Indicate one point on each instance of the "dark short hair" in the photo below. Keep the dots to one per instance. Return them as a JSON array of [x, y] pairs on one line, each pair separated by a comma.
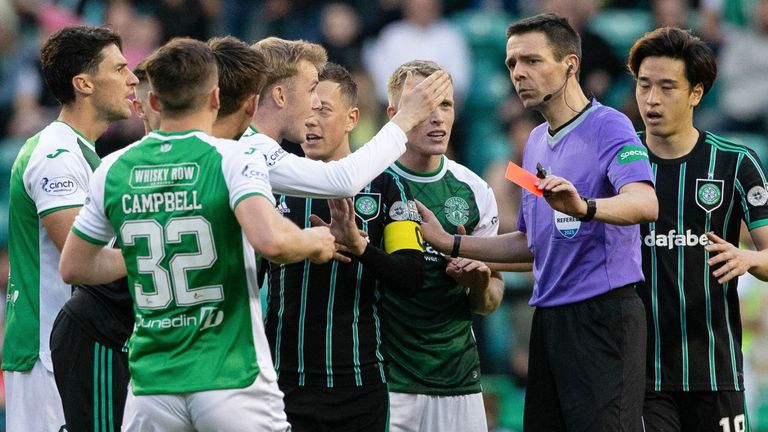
[[141, 71], [242, 72], [563, 39], [700, 62], [181, 73], [347, 86], [70, 51]]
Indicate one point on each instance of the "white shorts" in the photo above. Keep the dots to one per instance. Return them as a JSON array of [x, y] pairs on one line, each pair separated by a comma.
[[32, 402], [424, 413], [258, 407]]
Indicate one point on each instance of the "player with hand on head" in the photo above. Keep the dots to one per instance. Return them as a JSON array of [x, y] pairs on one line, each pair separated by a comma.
[[434, 369], [287, 100], [324, 320]]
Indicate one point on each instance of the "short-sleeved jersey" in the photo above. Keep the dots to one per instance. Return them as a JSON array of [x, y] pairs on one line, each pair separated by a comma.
[[170, 200], [324, 320], [599, 152], [429, 338], [51, 173], [694, 324], [297, 176]]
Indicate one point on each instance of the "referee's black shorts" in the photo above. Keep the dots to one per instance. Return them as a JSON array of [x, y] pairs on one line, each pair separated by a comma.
[[92, 379], [586, 371], [338, 409]]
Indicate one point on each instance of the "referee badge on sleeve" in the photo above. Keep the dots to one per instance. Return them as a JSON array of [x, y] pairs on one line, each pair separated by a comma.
[[709, 194], [367, 206]]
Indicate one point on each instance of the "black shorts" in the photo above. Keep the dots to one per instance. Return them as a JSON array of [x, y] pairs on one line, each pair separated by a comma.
[[92, 379], [586, 370], [700, 411], [342, 409]]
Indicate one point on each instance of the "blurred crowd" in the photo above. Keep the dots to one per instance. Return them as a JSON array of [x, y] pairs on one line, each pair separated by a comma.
[[371, 38]]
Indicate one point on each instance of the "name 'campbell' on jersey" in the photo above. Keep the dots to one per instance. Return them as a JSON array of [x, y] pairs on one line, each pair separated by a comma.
[[713, 188]]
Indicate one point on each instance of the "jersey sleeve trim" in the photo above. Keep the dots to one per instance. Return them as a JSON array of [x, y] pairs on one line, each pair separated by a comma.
[[757, 224], [248, 195], [55, 209], [88, 238]]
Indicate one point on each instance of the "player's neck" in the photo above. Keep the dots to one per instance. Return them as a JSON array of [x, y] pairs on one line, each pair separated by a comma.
[[564, 107], [268, 123], [420, 163], [674, 145], [230, 127], [201, 120], [83, 119]]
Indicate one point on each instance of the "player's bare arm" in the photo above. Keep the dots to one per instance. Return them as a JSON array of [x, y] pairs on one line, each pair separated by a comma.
[[83, 262], [278, 239], [58, 224]]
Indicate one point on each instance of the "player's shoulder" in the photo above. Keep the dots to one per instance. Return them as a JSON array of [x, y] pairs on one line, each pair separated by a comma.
[[56, 140], [464, 174], [722, 143]]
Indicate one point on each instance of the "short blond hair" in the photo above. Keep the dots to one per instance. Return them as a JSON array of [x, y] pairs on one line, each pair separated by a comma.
[[282, 58], [396, 81]]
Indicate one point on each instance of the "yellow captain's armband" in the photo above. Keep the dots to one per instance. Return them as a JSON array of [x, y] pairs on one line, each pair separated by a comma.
[[400, 235]]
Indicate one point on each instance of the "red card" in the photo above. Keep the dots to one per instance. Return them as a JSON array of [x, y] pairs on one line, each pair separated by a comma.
[[522, 178]]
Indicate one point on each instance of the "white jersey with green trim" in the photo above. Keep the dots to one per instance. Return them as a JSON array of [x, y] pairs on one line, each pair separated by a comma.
[[293, 175], [50, 173], [170, 200]]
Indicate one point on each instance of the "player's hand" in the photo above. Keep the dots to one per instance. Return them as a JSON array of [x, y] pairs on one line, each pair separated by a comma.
[[468, 273], [562, 196], [735, 262], [323, 241], [417, 103], [344, 227], [433, 232]]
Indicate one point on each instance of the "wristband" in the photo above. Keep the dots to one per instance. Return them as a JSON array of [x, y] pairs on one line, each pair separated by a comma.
[[591, 209], [456, 245]]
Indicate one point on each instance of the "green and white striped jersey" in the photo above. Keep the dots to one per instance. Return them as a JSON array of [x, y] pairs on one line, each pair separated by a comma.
[[170, 200], [694, 324], [51, 173], [428, 337]]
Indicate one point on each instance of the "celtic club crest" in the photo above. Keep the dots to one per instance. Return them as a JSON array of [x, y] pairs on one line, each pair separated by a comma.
[[367, 206], [709, 194], [456, 210]]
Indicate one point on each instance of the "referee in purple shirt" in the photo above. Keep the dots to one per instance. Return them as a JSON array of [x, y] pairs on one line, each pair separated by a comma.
[[587, 355]]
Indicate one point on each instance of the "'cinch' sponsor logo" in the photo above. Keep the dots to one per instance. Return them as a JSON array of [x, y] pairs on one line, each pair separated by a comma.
[[58, 186]]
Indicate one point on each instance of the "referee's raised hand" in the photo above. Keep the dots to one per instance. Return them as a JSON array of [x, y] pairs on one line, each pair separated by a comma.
[[562, 196]]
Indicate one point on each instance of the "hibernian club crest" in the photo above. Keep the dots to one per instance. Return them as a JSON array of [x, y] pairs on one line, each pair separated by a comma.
[[709, 193], [456, 210], [367, 206]]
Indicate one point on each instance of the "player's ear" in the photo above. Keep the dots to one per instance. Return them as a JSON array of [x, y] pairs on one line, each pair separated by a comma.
[[139, 108], [278, 95], [696, 94], [353, 116], [213, 98], [391, 111], [250, 104], [153, 102], [82, 84]]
